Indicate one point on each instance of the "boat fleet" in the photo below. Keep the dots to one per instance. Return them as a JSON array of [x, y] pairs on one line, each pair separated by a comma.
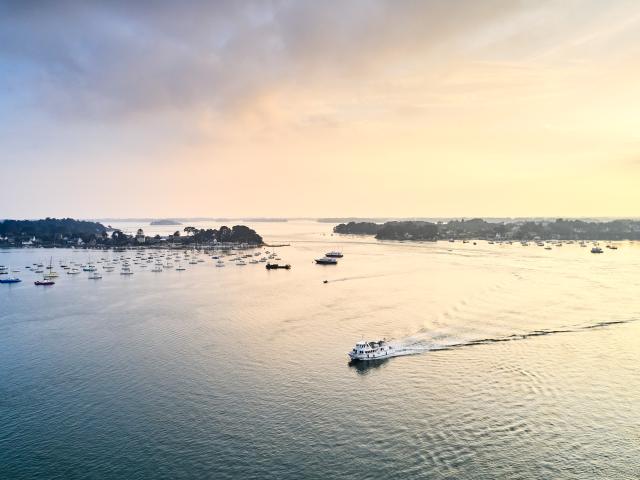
[[158, 261], [128, 262], [548, 244]]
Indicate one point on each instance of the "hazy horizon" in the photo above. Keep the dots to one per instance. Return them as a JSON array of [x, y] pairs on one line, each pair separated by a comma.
[[305, 109], [331, 219]]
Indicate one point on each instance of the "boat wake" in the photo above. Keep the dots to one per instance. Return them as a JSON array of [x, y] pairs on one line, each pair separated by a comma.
[[414, 344]]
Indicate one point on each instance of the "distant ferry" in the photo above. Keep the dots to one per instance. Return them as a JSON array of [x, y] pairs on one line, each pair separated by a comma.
[[375, 350], [326, 261], [334, 254]]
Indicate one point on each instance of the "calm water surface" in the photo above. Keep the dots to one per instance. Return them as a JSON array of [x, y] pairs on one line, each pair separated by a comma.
[[529, 366]]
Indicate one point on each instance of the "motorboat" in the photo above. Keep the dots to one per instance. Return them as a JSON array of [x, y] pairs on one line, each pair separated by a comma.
[[94, 276], [334, 254], [326, 261], [44, 282], [375, 350], [596, 250], [10, 280]]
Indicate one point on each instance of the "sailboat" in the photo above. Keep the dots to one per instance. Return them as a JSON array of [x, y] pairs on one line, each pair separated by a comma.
[[46, 279], [126, 270]]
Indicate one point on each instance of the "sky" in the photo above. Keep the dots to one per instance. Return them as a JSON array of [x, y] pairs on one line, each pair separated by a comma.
[[365, 108]]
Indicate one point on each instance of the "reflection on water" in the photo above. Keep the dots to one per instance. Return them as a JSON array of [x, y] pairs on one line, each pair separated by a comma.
[[239, 372], [364, 367]]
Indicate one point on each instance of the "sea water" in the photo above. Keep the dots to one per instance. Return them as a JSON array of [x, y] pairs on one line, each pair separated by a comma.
[[527, 364]]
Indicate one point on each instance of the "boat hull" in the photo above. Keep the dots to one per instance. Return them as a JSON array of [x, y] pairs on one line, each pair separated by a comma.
[[372, 357]]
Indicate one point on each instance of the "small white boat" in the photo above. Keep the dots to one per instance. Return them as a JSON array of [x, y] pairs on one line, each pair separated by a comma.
[[94, 276]]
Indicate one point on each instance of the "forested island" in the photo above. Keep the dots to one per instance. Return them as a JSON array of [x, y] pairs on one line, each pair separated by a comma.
[[165, 221], [67, 232], [477, 228]]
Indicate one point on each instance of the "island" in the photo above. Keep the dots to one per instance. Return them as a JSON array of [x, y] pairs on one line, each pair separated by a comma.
[[357, 228], [67, 232], [477, 228], [165, 221]]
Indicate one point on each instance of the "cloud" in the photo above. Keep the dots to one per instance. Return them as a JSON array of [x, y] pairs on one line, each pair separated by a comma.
[[115, 59]]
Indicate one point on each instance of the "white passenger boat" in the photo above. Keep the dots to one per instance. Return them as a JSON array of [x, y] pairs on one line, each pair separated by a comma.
[[375, 350]]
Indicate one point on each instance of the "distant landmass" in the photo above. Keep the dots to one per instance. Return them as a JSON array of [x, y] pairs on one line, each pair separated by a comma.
[[49, 229], [67, 232], [358, 228], [477, 228], [260, 219], [165, 222], [187, 220]]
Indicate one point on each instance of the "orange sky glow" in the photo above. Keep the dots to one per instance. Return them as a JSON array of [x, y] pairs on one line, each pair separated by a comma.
[[362, 108]]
